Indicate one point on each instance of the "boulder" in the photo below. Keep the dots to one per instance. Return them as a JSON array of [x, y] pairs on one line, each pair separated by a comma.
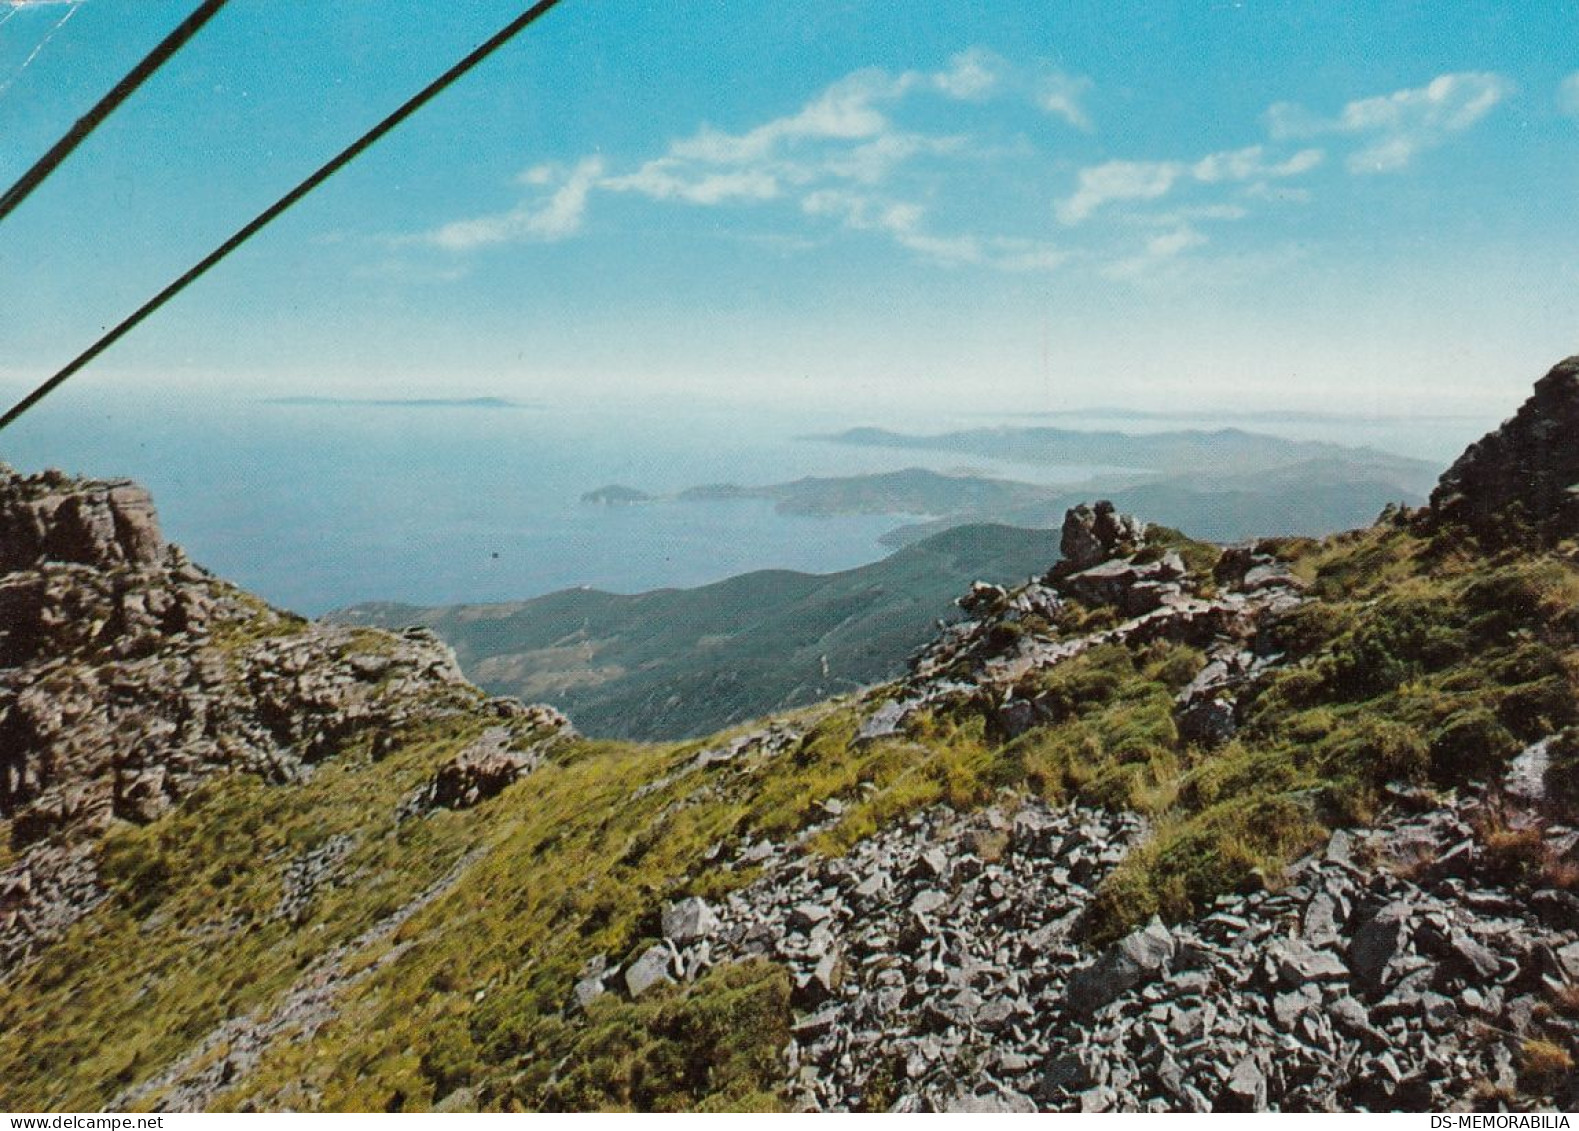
[[1093, 534], [688, 920], [1208, 721], [483, 770], [1295, 962], [1378, 941], [1246, 1089], [983, 598], [650, 969], [1139, 957]]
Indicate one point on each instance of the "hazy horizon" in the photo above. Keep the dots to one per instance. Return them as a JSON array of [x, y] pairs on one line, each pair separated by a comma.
[[1301, 209]]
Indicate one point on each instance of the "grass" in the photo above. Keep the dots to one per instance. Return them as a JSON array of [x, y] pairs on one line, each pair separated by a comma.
[[1543, 1066], [1418, 663]]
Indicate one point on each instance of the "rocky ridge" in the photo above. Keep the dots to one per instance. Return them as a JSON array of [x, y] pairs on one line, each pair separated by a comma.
[[1524, 474], [995, 654], [1425, 957], [935, 970], [1404, 966], [937, 967], [129, 675]]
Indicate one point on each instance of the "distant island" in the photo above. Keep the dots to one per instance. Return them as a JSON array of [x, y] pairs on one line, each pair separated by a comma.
[[616, 495], [399, 402], [1246, 416], [912, 491], [1225, 484], [1211, 452]]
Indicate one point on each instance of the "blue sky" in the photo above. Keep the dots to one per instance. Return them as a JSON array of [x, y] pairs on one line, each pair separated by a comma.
[[1363, 207]]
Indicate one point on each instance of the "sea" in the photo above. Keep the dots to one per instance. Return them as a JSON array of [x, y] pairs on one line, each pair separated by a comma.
[[316, 505]]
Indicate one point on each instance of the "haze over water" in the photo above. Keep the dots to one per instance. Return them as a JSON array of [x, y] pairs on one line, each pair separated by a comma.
[[316, 506]]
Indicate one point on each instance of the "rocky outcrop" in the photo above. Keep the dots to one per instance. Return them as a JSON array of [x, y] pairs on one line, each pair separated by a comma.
[[1519, 481], [1131, 587], [54, 518], [935, 965], [1096, 533], [503, 753], [933, 969], [128, 676], [994, 656]]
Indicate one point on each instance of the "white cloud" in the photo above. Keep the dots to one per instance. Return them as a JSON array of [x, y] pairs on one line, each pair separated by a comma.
[[972, 74], [1119, 180], [659, 180], [556, 218], [1150, 180], [1156, 252], [871, 162], [1179, 240], [903, 221], [1061, 95], [834, 155], [843, 112], [1568, 95], [1400, 125], [1250, 164]]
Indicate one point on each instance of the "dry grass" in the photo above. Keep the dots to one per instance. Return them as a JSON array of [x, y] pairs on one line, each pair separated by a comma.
[[1543, 1065]]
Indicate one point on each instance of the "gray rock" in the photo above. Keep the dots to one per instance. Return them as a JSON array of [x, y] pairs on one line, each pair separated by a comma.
[[874, 886], [688, 920], [1377, 942], [1287, 1008], [818, 985], [1340, 847], [1296, 962], [986, 1103], [649, 970], [804, 916], [1319, 926], [1092, 534], [1480, 961], [816, 1024], [1246, 1089], [1093, 1101], [589, 990], [1568, 957], [1067, 1074], [1208, 722], [1139, 957], [887, 720], [1353, 1018]]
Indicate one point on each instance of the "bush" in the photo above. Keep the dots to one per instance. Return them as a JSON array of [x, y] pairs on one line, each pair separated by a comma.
[[1266, 705], [1543, 1065], [1398, 640], [1562, 774], [1172, 665], [1309, 628], [1471, 745], [1375, 751]]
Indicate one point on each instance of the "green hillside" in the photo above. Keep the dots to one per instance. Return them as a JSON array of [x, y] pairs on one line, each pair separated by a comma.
[[673, 663], [1287, 826]]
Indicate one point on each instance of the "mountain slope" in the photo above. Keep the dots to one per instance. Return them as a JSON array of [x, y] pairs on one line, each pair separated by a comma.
[[1313, 498], [672, 663], [1286, 827], [1222, 451]]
